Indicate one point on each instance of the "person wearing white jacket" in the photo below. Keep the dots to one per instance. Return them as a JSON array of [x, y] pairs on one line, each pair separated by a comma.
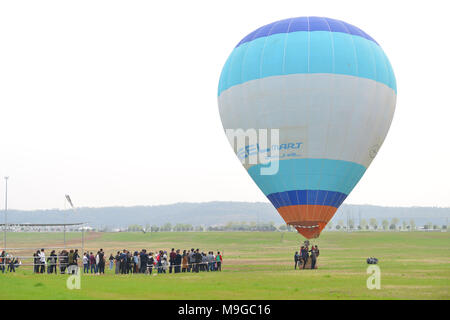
[[42, 261], [85, 263], [97, 261]]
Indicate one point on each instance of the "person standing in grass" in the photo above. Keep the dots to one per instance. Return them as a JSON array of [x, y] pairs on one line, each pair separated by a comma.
[[158, 261], [304, 256], [178, 261], [172, 257], [71, 259], [126, 261], [92, 263], [211, 261], [101, 262], [52, 261], [123, 262], [313, 257], [63, 260], [42, 261], [296, 258], [117, 258], [97, 262], [88, 259], [85, 263], [35, 262], [204, 262], [184, 263], [3, 261], [111, 262], [165, 263], [150, 263], [135, 262], [9, 259], [143, 257], [191, 260], [219, 261], [129, 262], [12, 264], [197, 260], [75, 257], [15, 263]]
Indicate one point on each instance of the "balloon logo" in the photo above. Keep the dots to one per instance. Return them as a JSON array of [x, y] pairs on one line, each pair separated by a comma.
[[329, 91]]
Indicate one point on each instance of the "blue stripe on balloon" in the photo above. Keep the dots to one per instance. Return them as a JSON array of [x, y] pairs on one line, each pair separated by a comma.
[[310, 24], [309, 174], [283, 54], [307, 197]]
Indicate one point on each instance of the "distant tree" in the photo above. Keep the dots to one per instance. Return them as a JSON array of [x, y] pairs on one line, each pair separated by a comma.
[[392, 226], [412, 224], [330, 225], [404, 225], [179, 227], [444, 227], [351, 224], [428, 226], [134, 228], [385, 224], [341, 224], [166, 227], [282, 227], [154, 228], [215, 228], [435, 227], [363, 224], [373, 223], [198, 228], [394, 221], [338, 227]]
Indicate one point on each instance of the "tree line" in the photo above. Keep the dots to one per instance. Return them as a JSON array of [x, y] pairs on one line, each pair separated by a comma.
[[393, 225], [341, 225]]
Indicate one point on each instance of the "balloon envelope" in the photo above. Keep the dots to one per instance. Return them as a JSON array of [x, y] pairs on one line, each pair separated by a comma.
[[330, 90]]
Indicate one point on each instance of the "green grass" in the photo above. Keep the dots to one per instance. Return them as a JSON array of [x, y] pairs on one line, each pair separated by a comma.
[[257, 265]]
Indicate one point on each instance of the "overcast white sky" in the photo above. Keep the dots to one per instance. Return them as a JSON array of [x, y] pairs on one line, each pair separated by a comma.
[[115, 102]]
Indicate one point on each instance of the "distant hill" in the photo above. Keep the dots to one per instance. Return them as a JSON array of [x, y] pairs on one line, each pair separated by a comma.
[[216, 213]]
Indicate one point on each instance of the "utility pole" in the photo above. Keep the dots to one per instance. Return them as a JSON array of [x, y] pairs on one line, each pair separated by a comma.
[[64, 216], [6, 212], [359, 213]]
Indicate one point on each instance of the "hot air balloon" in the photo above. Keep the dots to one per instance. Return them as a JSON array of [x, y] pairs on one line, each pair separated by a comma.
[[330, 91]]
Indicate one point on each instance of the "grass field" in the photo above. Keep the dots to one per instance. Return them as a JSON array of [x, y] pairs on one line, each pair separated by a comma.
[[257, 265]]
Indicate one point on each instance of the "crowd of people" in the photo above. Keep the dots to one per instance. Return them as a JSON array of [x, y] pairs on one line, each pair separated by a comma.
[[124, 262], [9, 263], [304, 255], [162, 262]]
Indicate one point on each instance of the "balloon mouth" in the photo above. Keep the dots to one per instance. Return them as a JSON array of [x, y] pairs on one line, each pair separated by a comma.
[[309, 229], [308, 220]]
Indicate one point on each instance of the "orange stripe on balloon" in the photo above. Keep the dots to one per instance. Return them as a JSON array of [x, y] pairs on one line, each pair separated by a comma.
[[309, 220]]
